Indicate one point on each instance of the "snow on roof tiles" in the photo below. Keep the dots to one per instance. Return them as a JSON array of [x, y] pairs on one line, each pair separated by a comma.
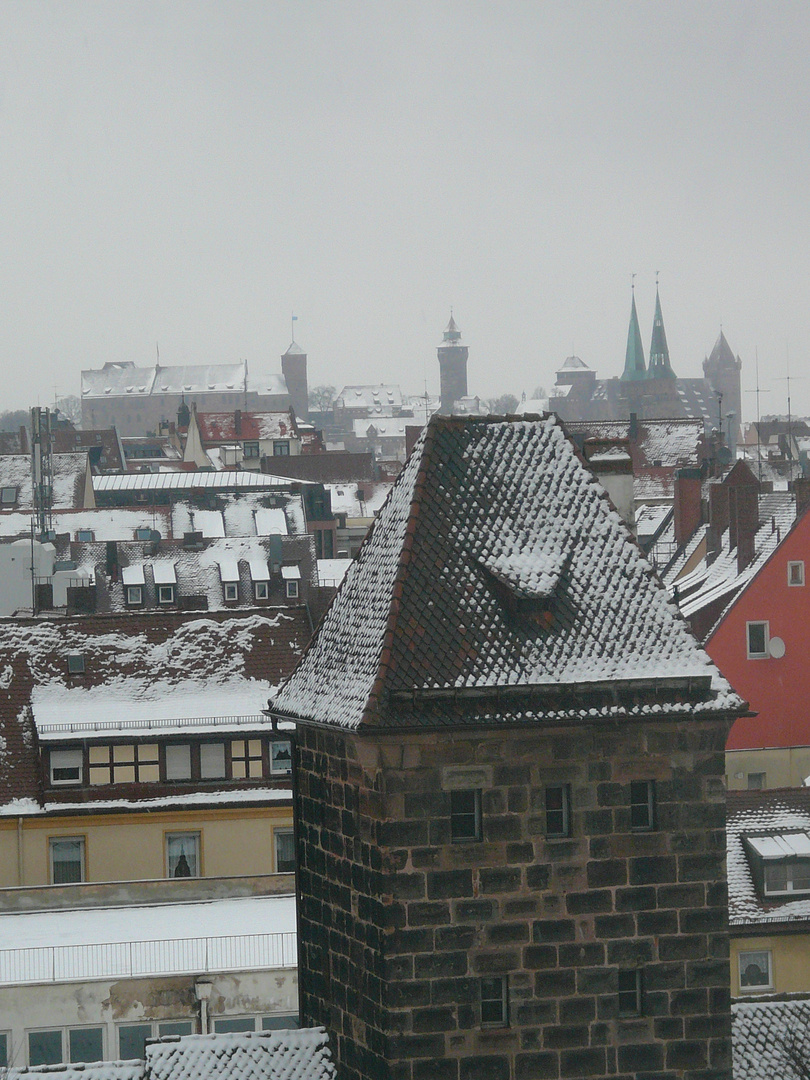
[[301, 1054], [416, 613], [189, 481], [762, 1031], [763, 814], [164, 572], [97, 1070], [69, 471]]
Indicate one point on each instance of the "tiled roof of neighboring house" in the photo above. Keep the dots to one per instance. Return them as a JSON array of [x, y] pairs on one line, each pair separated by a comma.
[[228, 426], [762, 813], [198, 573], [104, 447], [770, 1039], [69, 473], [653, 485], [720, 581], [498, 562], [190, 481], [672, 443], [268, 1055]]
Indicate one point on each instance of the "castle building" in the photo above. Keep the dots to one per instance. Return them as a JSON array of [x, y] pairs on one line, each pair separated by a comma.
[[509, 789], [452, 367], [653, 390]]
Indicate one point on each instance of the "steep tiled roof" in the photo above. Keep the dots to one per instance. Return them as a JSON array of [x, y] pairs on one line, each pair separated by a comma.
[[763, 1034], [69, 471], [487, 516], [268, 1055], [222, 426], [762, 813], [675, 443]]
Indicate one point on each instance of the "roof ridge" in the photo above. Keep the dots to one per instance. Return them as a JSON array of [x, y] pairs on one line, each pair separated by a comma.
[[384, 661]]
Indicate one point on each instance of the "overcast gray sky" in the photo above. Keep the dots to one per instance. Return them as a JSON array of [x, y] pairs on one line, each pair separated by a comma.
[[191, 173]]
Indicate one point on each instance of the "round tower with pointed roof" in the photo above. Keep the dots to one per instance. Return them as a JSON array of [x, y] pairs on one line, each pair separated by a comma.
[[452, 367], [721, 369]]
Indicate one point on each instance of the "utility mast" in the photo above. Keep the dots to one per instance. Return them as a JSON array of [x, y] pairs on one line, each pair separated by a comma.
[[42, 472]]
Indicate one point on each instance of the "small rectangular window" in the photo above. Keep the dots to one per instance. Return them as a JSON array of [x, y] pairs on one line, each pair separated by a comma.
[[246, 759], [757, 636], [279, 1022], [86, 1044], [45, 1047], [8, 496], [251, 449], [465, 815], [134, 595], [495, 1001], [630, 1002], [212, 761], [132, 1041], [66, 766], [292, 590], [285, 851], [174, 1027], [260, 590], [143, 534], [642, 805], [558, 810], [795, 573], [756, 781], [85, 536], [75, 663], [183, 854], [281, 449], [231, 590], [756, 970], [280, 757], [67, 859], [165, 594], [235, 1023], [178, 762], [4, 1049]]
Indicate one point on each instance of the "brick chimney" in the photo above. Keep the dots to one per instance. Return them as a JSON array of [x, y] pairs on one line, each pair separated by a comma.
[[688, 511], [743, 521], [801, 489], [237, 422], [718, 518]]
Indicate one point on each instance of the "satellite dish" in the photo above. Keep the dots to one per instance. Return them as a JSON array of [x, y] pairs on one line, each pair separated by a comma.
[[776, 647]]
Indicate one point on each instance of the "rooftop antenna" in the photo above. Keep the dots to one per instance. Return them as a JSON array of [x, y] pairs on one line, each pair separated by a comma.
[[758, 391], [293, 321], [157, 356], [787, 379]]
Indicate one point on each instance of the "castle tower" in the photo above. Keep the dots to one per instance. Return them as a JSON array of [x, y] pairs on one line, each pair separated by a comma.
[[508, 785], [452, 367], [634, 367], [721, 369], [294, 370], [659, 350]]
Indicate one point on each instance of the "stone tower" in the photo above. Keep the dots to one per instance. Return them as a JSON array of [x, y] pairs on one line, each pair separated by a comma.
[[721, 370], [452, 367], [294, 370], [509, 785]]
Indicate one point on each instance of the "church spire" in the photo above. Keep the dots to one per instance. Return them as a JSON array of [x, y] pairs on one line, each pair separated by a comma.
[[634, 367], [659, 351]]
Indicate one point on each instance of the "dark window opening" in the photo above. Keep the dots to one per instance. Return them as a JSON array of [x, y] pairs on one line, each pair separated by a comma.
[[558, 810], [465, 815], [642, 805]]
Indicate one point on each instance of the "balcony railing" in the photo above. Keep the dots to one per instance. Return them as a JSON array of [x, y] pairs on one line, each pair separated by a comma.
[[133, 959], [251, 720]]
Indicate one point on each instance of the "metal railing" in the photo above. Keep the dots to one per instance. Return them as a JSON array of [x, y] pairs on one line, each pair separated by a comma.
[[132, 959], [250, 720]]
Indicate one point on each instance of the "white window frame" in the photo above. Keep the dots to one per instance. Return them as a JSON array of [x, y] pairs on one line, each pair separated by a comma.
[[73, 754], [292, 589], [757, 655], [53, 841], [261, 590], [165, 594], [273, 769], [746, 958], [192, 839], [134, 595], [798, 566], [230, 590]]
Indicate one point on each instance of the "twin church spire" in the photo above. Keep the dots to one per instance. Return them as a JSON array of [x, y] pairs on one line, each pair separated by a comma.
[[659, 366]]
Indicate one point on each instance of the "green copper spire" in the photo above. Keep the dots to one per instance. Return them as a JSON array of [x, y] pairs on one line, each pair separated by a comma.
[[659, 351], [634, 357]]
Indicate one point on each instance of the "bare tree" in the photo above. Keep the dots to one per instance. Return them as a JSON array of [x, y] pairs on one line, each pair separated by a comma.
[[794, 1047], [504, 405], [322, 398]]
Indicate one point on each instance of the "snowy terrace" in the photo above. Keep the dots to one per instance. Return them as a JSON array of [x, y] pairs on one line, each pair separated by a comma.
[[131, 942]]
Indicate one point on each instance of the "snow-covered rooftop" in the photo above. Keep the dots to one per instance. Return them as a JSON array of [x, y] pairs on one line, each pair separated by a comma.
[[416, 612]]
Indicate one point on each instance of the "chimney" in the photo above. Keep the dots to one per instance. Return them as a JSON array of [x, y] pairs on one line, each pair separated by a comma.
[[801, 489], [688, 511], [718, 518], [743, 522], [632, 431], [237, 422]]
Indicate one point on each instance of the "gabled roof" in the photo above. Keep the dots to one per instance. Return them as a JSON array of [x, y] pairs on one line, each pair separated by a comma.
[[418, 614], [69, 477], [223, 427]]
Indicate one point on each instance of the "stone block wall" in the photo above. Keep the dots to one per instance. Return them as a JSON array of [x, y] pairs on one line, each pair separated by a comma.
[[399, 924]]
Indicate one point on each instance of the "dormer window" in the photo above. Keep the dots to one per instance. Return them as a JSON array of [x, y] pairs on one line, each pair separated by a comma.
[[780, 863], [260, 576], [8, 496], [526, 582], [165, 581], [85, 536], [251, 449], [66, 766]]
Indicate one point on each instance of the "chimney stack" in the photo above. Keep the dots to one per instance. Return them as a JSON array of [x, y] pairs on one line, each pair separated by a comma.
[[688, 511]]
